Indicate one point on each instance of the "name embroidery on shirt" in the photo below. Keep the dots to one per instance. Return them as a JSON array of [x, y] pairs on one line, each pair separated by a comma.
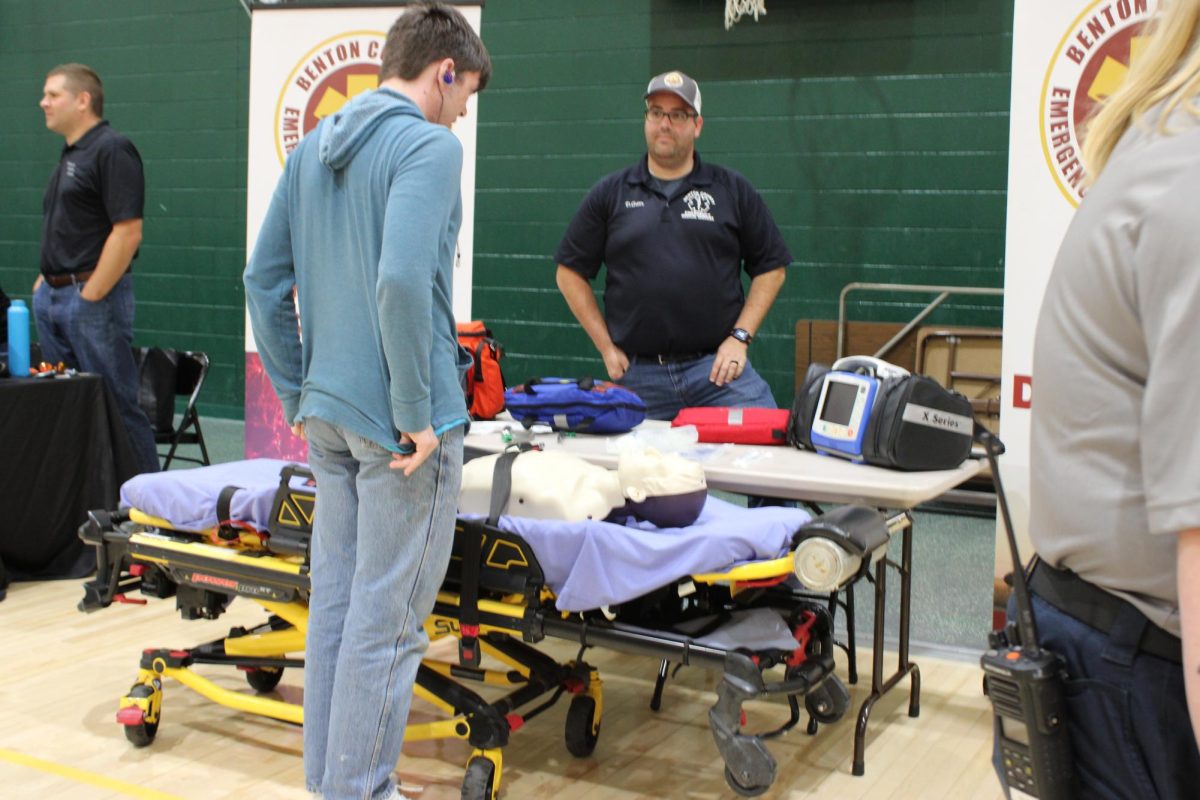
[[698, 204], [634, 203]]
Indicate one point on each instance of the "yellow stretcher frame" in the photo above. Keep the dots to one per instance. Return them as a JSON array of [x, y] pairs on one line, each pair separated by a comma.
[[140, 709], [236, 563]]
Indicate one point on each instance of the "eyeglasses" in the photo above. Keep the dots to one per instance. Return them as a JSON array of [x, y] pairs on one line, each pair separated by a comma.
[[677, 117]]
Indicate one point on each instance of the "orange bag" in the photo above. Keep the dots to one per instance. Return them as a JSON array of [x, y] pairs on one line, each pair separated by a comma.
[[484, 386]]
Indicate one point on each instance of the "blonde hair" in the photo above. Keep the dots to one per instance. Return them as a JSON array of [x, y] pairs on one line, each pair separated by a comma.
[[1168, 68]]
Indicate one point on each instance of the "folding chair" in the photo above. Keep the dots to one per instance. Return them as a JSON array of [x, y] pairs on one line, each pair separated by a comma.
[[165, 375]]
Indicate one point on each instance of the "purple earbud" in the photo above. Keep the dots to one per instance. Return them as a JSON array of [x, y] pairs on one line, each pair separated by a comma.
[[448, 77]]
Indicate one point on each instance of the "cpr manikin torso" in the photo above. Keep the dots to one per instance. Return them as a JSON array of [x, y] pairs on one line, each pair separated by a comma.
[[665, 489]]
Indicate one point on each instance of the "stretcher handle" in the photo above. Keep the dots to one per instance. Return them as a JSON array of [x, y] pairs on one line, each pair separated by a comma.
[[295, 470]]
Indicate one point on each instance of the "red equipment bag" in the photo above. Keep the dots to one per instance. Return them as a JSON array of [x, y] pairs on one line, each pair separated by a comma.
[[736, 425], [484, 386]]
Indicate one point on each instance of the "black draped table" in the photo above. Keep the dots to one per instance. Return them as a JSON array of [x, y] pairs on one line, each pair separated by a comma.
[[63, 452]]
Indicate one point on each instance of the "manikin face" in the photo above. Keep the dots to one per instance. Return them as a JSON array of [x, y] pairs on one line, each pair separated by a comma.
[[647, 473], [668, 143], [65, 110]]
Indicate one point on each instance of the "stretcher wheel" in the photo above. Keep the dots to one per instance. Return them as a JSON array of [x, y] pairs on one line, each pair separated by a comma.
[[744, 791], [264, 679], [480, 781], [582, 728], [829, 701], [143, 733]]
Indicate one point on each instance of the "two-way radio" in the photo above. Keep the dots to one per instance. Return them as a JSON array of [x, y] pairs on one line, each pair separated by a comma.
[[1025, 685]]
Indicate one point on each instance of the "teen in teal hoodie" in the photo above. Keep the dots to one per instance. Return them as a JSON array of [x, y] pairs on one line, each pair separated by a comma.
[[364, 224], [379, 353]]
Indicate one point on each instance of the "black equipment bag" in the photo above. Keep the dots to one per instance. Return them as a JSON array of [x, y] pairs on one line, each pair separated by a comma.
[[919, 425], [915, 424], [804, 407]]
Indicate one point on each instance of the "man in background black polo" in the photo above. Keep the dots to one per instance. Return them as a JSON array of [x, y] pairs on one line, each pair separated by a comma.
[[675, 235], [91, 229]]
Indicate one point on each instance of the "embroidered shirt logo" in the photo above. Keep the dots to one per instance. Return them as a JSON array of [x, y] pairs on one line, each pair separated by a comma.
[[698, 205], [70, 169], [634, 203]]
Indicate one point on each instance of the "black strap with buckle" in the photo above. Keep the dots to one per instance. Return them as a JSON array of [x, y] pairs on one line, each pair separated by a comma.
[[225, 529], [1097, 608], [472, 551]]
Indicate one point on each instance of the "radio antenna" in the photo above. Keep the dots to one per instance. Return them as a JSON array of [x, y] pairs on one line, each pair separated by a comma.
[[1026, 626]]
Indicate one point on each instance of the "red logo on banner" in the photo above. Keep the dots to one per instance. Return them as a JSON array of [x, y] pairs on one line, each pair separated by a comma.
[[1091, 62], [329, 75], [1022, 391]]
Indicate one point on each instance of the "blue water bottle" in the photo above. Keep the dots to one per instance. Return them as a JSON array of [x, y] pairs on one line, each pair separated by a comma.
[[18, 339]]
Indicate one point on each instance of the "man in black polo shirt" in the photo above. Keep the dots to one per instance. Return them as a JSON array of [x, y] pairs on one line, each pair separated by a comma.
[[675, 234], [91, 229]]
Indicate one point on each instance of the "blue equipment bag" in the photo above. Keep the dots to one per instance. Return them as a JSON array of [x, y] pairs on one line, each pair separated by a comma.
[[579, 405]]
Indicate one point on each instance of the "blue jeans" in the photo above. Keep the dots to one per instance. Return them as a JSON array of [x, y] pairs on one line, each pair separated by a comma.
[[380, 548], [667, 388], [1131, 736], [98, 337]]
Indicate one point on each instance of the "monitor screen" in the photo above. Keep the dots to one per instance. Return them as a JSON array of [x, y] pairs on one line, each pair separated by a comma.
[[1014, 729], [839, 401]]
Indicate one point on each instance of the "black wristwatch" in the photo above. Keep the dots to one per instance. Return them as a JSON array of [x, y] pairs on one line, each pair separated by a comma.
[[742, 335]]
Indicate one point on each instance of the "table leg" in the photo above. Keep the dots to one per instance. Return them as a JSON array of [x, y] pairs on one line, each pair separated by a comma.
[[879, 686], [914, 696], [852, 666], [664, 667], [851, 643]]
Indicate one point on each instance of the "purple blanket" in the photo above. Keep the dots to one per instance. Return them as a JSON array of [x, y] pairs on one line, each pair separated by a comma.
[[187, 498], [587, 564], [592, 564]]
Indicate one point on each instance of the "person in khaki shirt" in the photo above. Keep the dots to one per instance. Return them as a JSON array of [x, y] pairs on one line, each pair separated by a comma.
[[1115, 453]]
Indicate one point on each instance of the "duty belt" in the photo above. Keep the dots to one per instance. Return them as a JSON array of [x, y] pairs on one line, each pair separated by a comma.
[[1096, 608]]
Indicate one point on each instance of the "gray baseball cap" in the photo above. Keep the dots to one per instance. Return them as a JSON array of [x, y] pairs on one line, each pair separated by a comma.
[[676, 83]]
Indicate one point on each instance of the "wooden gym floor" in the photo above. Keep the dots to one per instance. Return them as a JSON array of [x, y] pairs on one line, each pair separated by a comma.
[[64, 672]]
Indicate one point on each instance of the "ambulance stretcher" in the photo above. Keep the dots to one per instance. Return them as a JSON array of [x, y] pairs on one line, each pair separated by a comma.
[[209, 535]]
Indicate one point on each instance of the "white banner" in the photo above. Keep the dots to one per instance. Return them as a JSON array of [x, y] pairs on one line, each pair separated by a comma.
[[1067, 55], [305, 63]]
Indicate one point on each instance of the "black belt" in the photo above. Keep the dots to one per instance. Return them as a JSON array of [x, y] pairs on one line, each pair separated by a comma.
[[1096, 608], [61, 279], [674, 358]]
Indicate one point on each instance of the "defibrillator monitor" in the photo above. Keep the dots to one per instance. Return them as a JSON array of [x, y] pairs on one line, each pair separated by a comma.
[[842, 413]]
